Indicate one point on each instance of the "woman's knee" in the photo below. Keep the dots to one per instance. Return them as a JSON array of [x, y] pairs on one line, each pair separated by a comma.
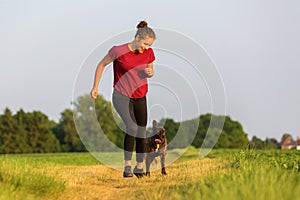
[[132, 129]]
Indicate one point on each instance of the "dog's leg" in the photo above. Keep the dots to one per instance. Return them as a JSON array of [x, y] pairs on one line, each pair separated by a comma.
[[148, 162], [163, 162]]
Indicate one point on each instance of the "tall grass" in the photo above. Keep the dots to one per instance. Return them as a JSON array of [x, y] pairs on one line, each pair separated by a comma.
[[31, 176], [223, 174], [21, 180], [247, 174]]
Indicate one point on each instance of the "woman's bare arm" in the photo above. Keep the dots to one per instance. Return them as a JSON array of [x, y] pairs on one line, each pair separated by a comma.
[[99, 70]]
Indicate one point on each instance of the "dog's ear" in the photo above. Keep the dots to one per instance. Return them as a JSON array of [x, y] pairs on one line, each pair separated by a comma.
[[154, 123]]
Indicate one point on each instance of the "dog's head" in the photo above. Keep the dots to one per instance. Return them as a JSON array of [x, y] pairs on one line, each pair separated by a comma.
[[159, 134], [156, 139]]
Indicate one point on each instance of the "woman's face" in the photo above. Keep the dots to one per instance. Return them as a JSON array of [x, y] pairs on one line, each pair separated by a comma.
[[143, 44]]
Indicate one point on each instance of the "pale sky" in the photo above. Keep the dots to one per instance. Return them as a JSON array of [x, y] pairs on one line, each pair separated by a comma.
[[254, 45]]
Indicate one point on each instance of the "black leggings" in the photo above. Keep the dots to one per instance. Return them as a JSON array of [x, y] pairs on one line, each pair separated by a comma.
[[134, 114]]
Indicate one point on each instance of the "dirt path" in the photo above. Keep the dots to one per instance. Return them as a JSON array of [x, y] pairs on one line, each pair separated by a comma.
[[101, 182]]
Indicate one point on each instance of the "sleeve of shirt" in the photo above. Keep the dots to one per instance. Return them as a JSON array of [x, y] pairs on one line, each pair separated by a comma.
[[151, 56], [113, 53]]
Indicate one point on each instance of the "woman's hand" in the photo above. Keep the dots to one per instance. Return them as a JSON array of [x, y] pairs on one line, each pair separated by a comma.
[[94, 93], [149, 72]]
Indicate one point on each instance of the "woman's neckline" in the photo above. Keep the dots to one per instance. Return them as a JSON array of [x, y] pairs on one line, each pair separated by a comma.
[[128, 46], [136, 52]]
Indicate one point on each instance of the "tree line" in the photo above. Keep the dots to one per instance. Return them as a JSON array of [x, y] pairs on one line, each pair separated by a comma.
[[34, 132]]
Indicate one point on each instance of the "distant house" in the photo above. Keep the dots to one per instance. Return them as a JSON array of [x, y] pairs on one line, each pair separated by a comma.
[[288, 143], [298, 143]]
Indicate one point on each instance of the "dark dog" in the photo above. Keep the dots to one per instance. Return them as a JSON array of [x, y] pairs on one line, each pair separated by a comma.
[[156, 145]]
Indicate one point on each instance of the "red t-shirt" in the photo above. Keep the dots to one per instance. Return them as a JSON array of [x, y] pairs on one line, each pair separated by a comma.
[[129, 76]]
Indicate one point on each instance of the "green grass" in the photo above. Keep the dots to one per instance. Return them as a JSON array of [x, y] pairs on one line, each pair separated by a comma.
[[223, 174], [26, 176], [249, 174], [18, 178], [75, 159]]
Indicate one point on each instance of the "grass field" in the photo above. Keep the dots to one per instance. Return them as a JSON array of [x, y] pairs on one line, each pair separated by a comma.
[[222, 174]]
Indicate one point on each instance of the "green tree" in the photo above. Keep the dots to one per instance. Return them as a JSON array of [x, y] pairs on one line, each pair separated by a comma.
[[7, 131], [39, 137], [211, 138], [66, 133], [13, 133], [223, 141], [210, 130], [271, 143], [109, 121], [257, 143], [236, 135], [27, 133], [95, 117]]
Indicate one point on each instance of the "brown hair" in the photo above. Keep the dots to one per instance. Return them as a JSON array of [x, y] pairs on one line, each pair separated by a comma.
[[144, 30]]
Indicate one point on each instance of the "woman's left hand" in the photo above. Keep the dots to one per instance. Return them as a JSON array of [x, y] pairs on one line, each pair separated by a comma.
[[149, 72]]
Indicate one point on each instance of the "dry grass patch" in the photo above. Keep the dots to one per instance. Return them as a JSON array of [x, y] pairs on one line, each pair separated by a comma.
[[101, 182]]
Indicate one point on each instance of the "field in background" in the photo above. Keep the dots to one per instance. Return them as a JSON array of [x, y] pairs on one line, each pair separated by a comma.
[[222, 174]]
